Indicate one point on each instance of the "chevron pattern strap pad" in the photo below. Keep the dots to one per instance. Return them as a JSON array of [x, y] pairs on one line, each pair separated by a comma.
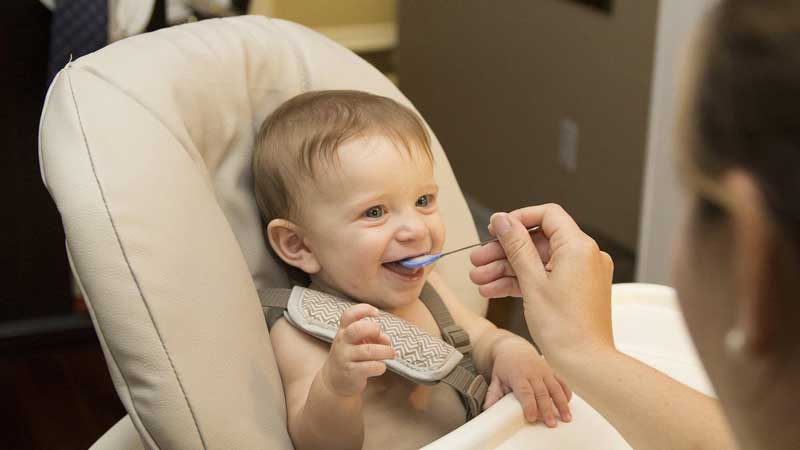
[[421, 357]]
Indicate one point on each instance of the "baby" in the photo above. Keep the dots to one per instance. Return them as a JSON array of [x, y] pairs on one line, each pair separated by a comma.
[[346, 178]]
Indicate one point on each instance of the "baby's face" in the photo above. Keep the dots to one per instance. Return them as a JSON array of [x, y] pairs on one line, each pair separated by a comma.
[[378, 207]]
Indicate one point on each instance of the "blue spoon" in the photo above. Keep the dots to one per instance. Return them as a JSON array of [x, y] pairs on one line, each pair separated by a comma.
[[426, 260]]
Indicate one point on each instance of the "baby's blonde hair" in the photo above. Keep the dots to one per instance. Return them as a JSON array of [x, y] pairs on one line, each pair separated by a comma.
[[304, 133]]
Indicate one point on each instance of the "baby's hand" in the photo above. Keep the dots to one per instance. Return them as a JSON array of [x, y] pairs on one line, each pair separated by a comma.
[[357, 352], [542, 393]]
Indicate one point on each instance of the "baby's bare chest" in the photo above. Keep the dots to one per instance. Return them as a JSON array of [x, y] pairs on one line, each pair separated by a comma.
[[401, 414]]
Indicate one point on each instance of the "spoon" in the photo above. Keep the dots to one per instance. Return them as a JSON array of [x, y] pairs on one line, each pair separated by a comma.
[[426, 260]]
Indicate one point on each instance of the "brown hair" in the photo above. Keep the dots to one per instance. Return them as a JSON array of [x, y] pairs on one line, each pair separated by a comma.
[[746, 113], [304, 134]]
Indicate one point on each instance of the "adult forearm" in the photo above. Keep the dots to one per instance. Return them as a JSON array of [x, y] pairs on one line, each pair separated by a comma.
[[648, 408], [328, 420]]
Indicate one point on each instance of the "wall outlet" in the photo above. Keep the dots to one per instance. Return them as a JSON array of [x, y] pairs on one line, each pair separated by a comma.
[[569, 137]]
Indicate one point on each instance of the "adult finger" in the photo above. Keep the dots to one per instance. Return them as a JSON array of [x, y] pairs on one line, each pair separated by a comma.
[[551, 217], [486, 254], [504, 287], [539, 240], [519, 248], [559, 398], [491, 272]]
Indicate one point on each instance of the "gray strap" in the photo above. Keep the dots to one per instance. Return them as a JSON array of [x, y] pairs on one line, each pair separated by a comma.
[[452, 333], [472, 389], [273, 303], [274, 298], [465, 378]]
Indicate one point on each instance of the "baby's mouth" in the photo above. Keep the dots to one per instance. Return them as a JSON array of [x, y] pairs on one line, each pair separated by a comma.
[[397, 268]]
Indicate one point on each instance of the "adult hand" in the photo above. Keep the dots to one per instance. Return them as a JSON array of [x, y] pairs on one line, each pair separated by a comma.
[[563, 277]]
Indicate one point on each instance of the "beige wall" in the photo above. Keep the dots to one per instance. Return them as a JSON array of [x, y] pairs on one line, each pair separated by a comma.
[[324, 13], [494, 79]]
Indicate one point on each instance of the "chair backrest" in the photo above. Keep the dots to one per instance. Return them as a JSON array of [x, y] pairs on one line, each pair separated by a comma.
[[145, 147]]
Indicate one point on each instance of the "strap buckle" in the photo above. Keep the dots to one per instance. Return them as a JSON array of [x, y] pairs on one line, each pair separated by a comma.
[[477, 388], [457, 337]]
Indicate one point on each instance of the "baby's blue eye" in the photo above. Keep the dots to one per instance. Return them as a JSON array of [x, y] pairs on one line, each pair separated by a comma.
[[423, 201], [376, 212]]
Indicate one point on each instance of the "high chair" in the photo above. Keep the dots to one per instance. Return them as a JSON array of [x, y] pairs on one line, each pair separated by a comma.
[[145, 147]]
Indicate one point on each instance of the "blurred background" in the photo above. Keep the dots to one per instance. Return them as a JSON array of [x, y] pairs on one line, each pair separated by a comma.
[[566, 101]]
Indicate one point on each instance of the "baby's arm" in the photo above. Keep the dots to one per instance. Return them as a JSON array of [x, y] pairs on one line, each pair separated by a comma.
[[510, 362], [323, 388]]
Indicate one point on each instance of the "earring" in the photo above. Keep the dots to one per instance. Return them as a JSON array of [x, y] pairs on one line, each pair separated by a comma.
[[735, 341]]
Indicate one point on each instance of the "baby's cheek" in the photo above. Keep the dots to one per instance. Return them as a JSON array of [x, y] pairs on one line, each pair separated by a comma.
[[438, 233]]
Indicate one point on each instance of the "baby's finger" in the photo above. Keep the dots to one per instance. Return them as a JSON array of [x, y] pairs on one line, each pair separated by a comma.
[[361, 331], [355, 313], [493, 394], [368, 369], [371, 352], [567, 390], [547, 410], [504, 287], [524, 392], [559, 398], [491, 272], [382, 339]]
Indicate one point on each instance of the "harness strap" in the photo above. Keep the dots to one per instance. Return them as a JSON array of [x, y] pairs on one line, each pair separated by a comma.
[[274, 303], [471, 388], [464, 377]]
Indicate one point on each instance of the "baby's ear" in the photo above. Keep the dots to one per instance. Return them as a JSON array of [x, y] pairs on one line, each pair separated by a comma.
[[286, 239]]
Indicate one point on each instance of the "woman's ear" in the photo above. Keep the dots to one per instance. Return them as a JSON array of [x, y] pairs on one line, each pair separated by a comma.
[[287, 240], [755, 254]]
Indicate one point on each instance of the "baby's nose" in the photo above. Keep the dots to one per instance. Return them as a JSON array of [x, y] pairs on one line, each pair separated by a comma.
[[412, 229]]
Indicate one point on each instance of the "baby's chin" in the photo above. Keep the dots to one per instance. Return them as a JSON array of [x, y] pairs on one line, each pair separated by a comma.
[[381, 294], [385, 297]]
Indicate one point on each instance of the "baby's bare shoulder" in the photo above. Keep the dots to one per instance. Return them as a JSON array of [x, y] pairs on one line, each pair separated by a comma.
[[296, 352]]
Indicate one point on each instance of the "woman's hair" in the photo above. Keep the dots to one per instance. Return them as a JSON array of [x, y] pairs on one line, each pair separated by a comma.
[[746, 113]]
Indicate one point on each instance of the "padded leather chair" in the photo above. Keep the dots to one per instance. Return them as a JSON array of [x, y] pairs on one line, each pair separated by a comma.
[[145, 147]]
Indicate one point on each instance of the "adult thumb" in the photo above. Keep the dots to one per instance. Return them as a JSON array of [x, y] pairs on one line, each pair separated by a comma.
[[518, 246]]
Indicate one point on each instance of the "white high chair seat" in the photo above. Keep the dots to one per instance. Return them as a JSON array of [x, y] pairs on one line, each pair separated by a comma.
[[145, 147]]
